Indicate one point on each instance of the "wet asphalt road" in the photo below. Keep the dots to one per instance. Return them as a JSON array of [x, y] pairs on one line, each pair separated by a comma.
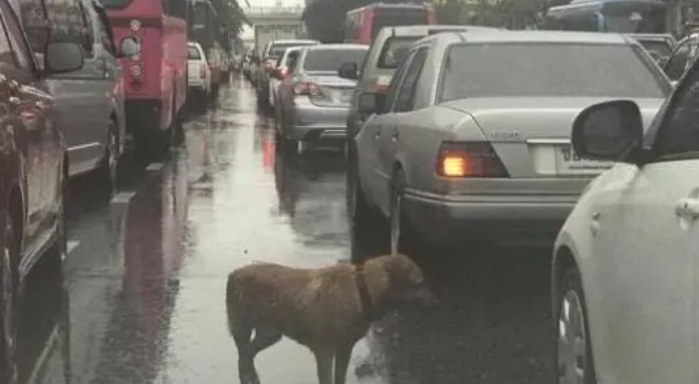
[[146, 274]]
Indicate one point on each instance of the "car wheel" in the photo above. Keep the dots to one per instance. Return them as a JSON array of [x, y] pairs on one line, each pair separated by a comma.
[[573, 350], [402, 237], [8, 282], [366, 223]]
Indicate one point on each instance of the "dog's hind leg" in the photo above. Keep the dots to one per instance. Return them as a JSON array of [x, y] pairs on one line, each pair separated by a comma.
[[246, 367], [324, 366], [342, 358]]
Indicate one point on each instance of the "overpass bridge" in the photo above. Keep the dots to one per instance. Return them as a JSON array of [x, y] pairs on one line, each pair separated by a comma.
[[277, 15]]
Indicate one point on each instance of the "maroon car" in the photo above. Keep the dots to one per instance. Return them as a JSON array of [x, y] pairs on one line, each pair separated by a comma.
[[33, 170]]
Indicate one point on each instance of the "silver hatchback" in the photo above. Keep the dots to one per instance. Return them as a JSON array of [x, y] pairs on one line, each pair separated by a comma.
[[313, 100]]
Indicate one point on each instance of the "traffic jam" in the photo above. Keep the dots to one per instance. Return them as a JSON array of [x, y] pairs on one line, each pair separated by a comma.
[[419, 202]]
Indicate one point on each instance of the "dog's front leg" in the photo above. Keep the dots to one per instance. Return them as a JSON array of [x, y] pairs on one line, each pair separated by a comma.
[[342, 358], [324, 366]]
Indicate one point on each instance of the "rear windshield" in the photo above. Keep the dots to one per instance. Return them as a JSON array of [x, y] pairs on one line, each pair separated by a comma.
[[330, 59], [277, 50], [393, 17], [659, 48], [393, 50], [193, 53], [549, 69]]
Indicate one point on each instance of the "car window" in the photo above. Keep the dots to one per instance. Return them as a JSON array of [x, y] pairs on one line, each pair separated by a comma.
[[393, 86], [22, 54], [392, 51], [679, 133], [86, 37], [678, 61], [36, 28], [104, 29], [550, 70], [406, 93], [67, 20], [324, 60], [193, 53], [6, 54], [292, 61]]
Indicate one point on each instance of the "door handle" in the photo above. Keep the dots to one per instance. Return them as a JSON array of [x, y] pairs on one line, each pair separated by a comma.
[[687, 208]]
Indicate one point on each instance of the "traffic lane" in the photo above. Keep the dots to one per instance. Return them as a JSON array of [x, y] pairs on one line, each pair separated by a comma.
[[147, 285]]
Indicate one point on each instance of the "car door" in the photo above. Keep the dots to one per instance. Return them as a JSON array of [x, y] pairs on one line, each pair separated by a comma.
[[372, 173], [37, 137], [646, 245], [83, 96], [400, 120]]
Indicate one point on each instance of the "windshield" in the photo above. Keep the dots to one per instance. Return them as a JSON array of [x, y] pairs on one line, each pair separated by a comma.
[[548, 69], [193, 53], [325, 60], [393, 50], [394, 16]]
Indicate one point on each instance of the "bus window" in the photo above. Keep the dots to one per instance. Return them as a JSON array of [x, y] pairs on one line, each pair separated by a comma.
[[393, 17]]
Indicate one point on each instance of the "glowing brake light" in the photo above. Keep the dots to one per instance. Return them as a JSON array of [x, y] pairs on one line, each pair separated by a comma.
[[469, 159]]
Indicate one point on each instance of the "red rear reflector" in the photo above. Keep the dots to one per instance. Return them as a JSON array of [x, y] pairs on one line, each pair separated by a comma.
[[476, 159]]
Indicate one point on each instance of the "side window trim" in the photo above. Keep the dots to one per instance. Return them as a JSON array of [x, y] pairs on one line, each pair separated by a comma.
[[8, 12], [398, 78], [418, 64]]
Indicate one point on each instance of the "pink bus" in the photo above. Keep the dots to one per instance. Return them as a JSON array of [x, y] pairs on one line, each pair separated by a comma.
[[155, 81], [363, 24]]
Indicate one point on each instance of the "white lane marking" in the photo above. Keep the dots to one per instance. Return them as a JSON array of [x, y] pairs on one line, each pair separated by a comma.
[[72, 244], [154, 167], [123, 197]]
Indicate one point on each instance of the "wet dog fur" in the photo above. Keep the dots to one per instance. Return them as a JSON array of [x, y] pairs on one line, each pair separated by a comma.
[[327, 310]]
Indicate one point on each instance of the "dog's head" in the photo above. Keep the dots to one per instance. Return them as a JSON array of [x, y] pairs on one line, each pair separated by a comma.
[[406, 282]]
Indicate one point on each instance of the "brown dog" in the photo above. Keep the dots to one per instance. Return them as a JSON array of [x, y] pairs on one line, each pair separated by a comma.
[[328, 310]]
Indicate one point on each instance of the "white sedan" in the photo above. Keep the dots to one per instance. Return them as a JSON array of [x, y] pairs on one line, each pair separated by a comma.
[[625, 283]]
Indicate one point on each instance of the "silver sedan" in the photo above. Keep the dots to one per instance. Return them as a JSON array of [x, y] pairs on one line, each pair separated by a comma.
[[313, 101], [472, 139]]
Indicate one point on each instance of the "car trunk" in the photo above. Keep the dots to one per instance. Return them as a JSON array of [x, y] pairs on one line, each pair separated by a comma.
[[335, 91], [531, 136]]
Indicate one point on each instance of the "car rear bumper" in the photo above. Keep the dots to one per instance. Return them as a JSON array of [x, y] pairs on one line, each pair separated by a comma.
[[197, 83], [311, 122], [507, 219]]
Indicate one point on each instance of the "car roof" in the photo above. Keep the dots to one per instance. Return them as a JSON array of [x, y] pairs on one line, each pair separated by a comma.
[[424, 30], [322, 47], [536, 37], [292, 41]]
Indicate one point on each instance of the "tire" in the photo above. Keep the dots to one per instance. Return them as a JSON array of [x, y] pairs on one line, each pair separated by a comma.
[[108, 171], [572, 297], [9, 318], [402, 236], [367, 225]]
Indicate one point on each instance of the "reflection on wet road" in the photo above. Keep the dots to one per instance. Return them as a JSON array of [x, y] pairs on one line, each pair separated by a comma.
[[147, 274]]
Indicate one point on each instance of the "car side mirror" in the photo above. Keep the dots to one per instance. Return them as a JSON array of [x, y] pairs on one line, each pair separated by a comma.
[[609, 131], [129, 46], [371, 102], [674, 83], [62, 57], [348, 71]]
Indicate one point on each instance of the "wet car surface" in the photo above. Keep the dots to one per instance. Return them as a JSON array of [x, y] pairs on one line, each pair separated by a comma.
[[146, 274]]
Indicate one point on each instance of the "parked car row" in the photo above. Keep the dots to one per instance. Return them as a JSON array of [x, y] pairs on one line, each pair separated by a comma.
[[463, 134]]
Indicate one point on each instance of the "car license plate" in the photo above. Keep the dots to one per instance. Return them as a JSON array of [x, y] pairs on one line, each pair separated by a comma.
[[569, 163]]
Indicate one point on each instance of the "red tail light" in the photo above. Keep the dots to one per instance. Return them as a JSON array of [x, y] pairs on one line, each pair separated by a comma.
[[305, 88], [464, 160]]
